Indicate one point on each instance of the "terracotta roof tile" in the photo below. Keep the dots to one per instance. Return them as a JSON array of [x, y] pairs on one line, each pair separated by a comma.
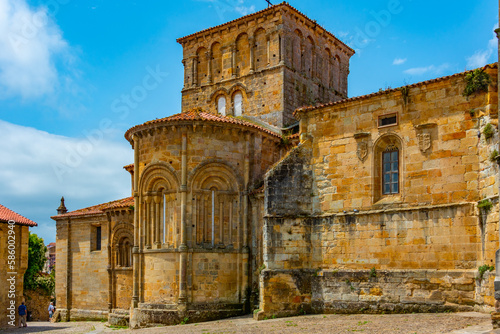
[[7, 215], [98, 209], [283, 4], [196, 115], [367, 96]]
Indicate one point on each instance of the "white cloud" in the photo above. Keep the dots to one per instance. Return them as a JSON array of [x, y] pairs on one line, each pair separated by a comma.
[[399, 61], [30, 43], [224, 6], [432, 69], [482, 57], [244, 10], [38, 168]]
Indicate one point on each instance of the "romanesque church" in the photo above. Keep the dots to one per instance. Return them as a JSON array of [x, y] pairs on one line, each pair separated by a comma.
[[249, 202]]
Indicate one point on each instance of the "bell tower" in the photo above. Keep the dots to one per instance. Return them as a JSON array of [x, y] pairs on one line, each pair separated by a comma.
[[264, 66]]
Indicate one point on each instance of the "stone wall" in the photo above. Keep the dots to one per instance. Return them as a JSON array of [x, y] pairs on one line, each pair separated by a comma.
[[288, 185], [431, 226], [82, 277], [292, 292], [123, 288], [442, 238], [37, 303], [12, 290]]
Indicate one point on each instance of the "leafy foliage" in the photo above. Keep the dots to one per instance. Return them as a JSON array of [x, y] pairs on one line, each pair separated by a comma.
[[36, 260], [476, 81], [485, 204], [493, 155], [488, 131], [484, 268]]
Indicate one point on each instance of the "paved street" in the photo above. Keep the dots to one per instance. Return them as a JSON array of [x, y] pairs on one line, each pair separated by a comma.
[[449, 323]]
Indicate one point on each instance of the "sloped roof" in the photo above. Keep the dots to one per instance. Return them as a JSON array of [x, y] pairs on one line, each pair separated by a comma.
[[274, 7], [98, 209], [8, 215], [387, 91], [195, 115]]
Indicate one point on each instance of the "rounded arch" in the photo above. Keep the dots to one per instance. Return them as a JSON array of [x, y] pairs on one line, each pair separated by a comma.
[[388, 166], [216, 191], [242, 54], [308, 56], [223, 174], [120, 231], [238, 87], [202, 66], [261, 49], [221, 91], [335, 75], [327, 70], [216, 59], [157, 176], [122, 243], [297, 46]]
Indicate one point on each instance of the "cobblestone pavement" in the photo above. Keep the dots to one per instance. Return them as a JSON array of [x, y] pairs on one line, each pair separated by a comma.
[[449, 323]]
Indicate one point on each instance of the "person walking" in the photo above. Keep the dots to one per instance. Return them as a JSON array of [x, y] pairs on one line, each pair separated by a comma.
[[22, 310], [51, 310]]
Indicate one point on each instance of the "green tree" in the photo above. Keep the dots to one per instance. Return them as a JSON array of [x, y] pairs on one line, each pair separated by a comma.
[[36, 261]]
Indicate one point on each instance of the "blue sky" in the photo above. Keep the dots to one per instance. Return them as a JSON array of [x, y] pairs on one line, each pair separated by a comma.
[[67, 67]]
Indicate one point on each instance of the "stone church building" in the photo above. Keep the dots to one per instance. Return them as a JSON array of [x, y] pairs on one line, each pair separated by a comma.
[[246, 201]]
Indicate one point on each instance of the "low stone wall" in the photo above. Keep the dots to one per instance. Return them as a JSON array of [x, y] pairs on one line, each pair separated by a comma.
[[37, 303], [291, 292], [148, 315], [80, 315]]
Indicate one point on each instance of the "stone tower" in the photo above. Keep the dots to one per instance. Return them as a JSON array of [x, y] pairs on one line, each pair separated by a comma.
[[264, 66]]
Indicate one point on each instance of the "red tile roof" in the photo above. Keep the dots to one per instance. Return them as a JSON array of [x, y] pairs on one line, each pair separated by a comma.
[[8, 215], [198, 115], [363, 97], [283, 4], [98, 209]]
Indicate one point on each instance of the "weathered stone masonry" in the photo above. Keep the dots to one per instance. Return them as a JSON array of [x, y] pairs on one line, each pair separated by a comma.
[[423, 244]]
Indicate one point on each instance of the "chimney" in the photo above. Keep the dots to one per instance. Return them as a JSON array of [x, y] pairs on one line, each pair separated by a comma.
[[62, 208]]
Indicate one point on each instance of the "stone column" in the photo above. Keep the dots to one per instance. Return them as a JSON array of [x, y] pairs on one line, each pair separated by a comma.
[[147, 223], [282, 39], [195, 71], [246, 251], [69, 277], [497, 254], [221, 221], [186, 83], [137, 210], [268, 50], [157, 199], [251, 43], [209, 66], [232, 49], [183, 247], [313, 62], [110, 267]]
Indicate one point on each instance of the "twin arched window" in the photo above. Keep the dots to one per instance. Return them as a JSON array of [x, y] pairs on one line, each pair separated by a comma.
[[237, 104]]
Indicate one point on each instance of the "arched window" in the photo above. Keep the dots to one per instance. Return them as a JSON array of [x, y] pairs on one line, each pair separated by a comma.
[[238, 104], [215, 208], [221, 105], [388, 167], [124, 254]]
